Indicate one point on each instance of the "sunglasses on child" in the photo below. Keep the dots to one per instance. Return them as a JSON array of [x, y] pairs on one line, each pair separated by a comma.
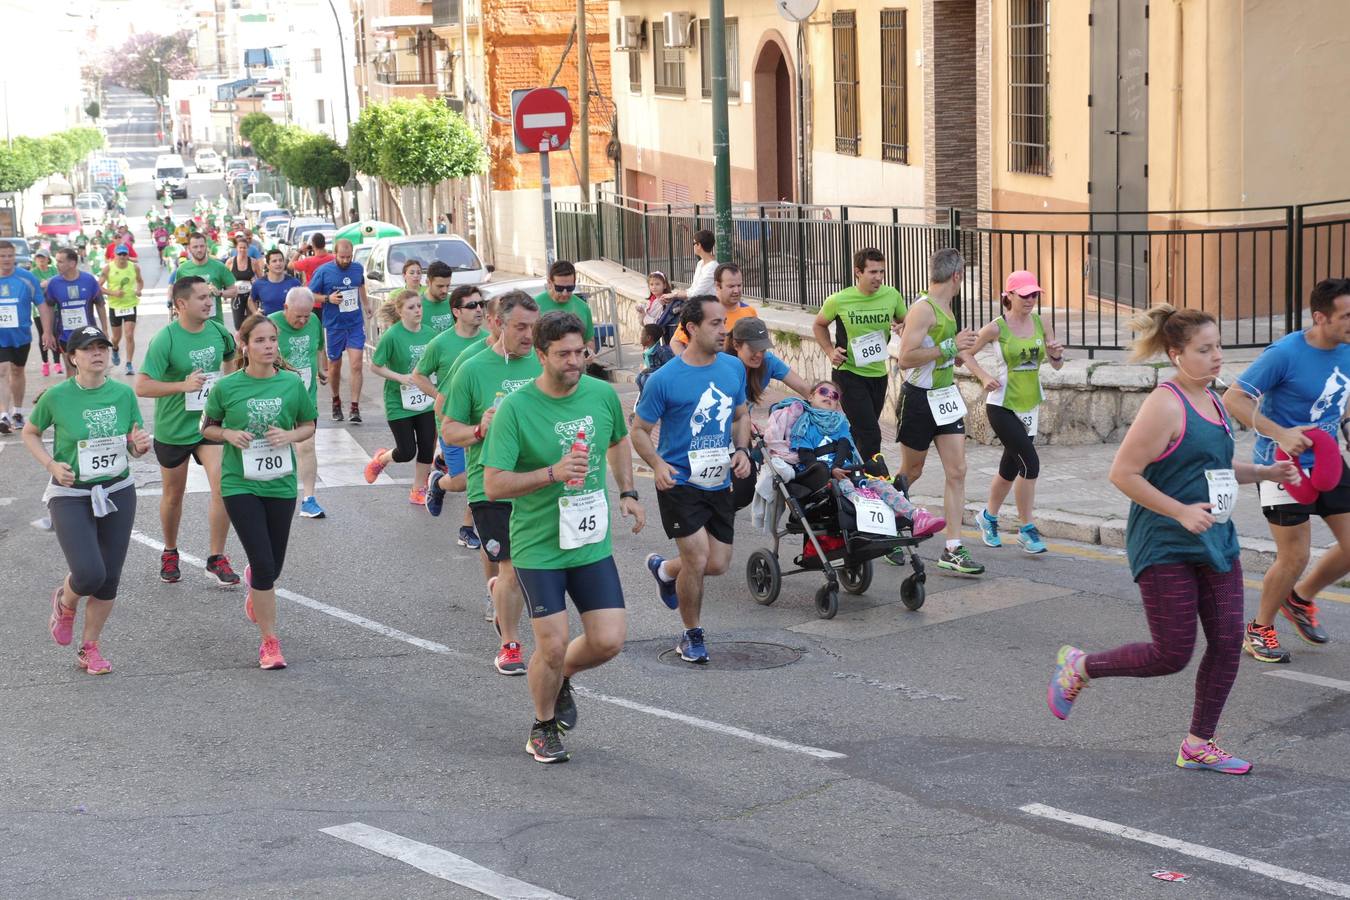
[[828, 392]]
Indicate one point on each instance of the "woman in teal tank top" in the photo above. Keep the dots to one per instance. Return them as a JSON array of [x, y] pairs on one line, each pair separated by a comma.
[[1013, 405], [1176, 465]]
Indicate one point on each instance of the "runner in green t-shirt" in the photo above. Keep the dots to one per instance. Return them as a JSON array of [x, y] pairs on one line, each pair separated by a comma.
[[548, 451], [214, 272], [476, 390], [561, 293], [259, 413], [438, 309], [44, 271], [407, 407], [183, 363], [91, 496], [863, 316], [300, 337]]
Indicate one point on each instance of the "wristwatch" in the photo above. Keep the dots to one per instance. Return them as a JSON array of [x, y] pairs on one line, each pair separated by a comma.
[[624, 495]]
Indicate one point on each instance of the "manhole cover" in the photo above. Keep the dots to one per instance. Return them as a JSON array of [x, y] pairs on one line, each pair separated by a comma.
[[740, 655]]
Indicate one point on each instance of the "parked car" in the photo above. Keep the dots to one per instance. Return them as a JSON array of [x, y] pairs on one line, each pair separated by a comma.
[[108, 192], [299, 229], [93, 209], [171, 174], [207, 160], [61, 223], [387, 256], [236, 169], [267, 216], [256, 202], [23, 251], [361, 253], [305, 232]]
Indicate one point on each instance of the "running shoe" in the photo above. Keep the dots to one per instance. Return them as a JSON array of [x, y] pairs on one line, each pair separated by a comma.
[[269, 654], [988, 529], [248, 596], [117, 358], [508, 660], [311, 509], [959, 560], [91, 660], [438, 463], [1303, 613], [417, 496], [218, 568], [1262, 643], [1066, 683], [375, 467], [435, 497], [489, 610], [337, 409], [46, 369], [545, 743], [925, 523], [1211, 757], [666, 588], [62, 622], [6, 427], [565, 707], [468, 537], [60, 370], [692, 648], [131, 370], [169, 573], [18, 421], [1029, 536], [355, 415]]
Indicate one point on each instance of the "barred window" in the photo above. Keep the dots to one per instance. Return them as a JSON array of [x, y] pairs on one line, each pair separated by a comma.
[[1029, 86], [894, 95], [845, 27], [733, 57], [667, 64]]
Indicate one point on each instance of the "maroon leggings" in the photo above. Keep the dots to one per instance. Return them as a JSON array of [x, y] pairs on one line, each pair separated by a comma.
[[1174, 595]]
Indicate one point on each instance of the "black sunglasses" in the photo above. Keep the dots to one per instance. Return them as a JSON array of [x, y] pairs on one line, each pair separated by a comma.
[[476, 304], [565, 288]]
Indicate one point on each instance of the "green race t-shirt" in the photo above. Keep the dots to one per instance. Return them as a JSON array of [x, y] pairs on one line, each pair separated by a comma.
[[91, 428], [400, 350], [575, 305], [172, 356], [214, 271], [438, 316], [866, 320], [299, 347], [464, 357], [532, 430], [241, 402], [473, 390], [443, 352]]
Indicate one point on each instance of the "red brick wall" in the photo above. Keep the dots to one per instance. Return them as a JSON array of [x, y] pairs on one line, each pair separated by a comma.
[[523, 41]]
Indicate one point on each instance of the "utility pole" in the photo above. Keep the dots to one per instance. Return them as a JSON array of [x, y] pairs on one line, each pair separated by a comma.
[[584, 113], [717, 35]]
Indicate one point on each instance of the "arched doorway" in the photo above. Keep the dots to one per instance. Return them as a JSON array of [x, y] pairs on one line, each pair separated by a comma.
[[775, 146]]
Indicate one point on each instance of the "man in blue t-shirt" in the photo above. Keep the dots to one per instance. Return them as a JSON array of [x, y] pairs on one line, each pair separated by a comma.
[[269, 292], [70, 301], [340, 286], [699, 399], [1300, 382], [18, 296]]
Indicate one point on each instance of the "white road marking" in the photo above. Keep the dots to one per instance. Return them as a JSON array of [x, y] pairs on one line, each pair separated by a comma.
[[1319, 680], [1199, 851], [380, 628], [443, 864]]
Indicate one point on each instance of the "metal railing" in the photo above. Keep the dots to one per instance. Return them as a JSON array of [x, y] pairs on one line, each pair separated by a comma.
[[1250, 267]]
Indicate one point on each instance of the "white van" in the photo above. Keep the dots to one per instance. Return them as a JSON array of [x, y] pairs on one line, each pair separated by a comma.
[[171, 173]]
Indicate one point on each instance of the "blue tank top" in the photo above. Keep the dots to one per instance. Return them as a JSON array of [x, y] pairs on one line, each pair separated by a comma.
[[1152, 539]]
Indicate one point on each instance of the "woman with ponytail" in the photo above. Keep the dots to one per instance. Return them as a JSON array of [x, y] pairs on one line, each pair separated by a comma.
[[408, 409], [1177, 467], [259, 412]]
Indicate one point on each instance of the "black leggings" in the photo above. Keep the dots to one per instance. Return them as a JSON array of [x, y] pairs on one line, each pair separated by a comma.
[[862, 402], [1019, 449], [95, 548], [414, 436], [264, 528], [42, 345]]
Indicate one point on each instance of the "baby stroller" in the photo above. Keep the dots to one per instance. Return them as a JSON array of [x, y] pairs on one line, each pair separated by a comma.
[[834, 541]]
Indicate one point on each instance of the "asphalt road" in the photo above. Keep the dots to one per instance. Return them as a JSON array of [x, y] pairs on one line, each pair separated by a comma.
[[890, 754]]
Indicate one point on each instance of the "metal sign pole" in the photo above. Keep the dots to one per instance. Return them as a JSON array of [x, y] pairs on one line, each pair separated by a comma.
[[550, 253]]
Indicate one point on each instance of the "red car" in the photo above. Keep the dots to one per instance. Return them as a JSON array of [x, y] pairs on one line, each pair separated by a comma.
[[61, 222]]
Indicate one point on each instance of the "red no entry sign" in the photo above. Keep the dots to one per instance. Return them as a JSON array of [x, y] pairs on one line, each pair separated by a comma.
[[541, 116]]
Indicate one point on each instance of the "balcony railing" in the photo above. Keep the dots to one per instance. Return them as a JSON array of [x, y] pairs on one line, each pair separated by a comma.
[[406, 78]]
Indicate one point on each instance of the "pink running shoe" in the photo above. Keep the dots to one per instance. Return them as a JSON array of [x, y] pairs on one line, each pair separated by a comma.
[[91, 660], [417, 497], [1066, 684], [59, 370], [1210, 756], [248, 597], [62, 622], [375, 467], [269, 654], [46, 369], [925, 523]]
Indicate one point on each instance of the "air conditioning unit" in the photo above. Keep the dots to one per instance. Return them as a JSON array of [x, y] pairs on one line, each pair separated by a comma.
[[628, 33], [676, 29]]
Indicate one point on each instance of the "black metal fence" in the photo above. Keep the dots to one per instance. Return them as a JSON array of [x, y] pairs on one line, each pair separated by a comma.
[[1250, 267]]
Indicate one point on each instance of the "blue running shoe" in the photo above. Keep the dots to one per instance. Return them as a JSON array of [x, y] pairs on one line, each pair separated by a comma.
[[468, 537], [1066, 683], [1030, 539], [1211, 757], [988, 529], [311, 509], [667, 588], [435, 495], [691, 647]]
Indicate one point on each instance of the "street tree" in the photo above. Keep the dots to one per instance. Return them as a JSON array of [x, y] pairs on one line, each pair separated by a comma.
[[146, 62], [317, 162], [91, 109], [249, 125]]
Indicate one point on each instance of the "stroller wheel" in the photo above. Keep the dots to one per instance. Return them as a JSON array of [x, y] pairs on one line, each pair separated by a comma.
[[827, 601], [764, 576], [856, 579], [912, 592]]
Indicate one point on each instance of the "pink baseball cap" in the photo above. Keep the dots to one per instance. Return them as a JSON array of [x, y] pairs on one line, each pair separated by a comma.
[[1022, 283]]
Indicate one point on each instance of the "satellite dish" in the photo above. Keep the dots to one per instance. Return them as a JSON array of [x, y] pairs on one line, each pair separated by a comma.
[[796, 10]]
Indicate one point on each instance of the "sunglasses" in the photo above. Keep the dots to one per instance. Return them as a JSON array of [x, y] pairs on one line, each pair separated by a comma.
[[828, 392], [565, 288], [476, 304]]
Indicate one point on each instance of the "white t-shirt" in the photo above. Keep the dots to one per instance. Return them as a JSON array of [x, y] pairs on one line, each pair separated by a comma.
[[702, 282]]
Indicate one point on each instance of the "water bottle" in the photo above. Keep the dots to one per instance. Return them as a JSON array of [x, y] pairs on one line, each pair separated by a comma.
[[579, 444], [497, 400]]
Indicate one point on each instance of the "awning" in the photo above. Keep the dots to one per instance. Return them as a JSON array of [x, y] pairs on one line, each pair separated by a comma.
[[262, 57], [383, 22], [231, 89]]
